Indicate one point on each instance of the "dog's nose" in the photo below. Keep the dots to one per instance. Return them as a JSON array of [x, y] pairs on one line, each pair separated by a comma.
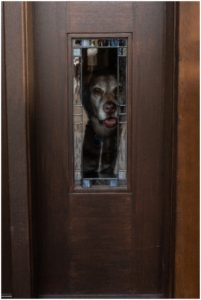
[[109, 107]]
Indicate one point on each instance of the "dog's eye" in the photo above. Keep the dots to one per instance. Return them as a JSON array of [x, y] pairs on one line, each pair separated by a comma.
[[115, 91], [97, 91]]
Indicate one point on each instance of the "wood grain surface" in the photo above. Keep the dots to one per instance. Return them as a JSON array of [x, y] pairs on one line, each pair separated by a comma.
[[16, 95], [187, 219], [6, 235], [105, 243]]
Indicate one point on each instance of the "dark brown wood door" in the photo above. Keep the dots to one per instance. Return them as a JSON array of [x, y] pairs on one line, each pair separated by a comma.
[[110, 241]]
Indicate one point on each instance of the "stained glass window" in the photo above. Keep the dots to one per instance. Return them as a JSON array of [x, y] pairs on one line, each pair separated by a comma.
[[100, 112]]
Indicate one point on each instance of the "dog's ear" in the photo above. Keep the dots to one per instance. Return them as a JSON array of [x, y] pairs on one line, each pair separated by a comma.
[[87, 79]]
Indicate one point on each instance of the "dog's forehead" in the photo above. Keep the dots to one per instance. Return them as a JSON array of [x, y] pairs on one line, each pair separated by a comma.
[[105, 82]]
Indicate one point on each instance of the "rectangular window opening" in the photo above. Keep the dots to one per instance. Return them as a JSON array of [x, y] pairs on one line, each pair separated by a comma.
[[100, 112]]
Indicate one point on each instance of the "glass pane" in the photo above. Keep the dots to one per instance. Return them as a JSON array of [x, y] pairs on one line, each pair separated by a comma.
[[100, 112]]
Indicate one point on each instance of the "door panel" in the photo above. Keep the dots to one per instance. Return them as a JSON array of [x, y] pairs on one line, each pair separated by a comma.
[[103, 242], [109, 17], [100, 241]]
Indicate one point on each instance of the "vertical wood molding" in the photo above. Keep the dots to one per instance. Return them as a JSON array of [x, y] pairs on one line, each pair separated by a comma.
[[5, 205], [18, 83], [187, 212]]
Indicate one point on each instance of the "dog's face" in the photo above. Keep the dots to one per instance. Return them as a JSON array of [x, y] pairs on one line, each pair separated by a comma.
[[103, 98]]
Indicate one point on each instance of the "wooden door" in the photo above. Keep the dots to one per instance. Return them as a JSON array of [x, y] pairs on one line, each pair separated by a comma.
[[109, 241]]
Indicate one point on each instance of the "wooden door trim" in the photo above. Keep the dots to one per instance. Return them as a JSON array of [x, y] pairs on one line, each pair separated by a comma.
[[72, 187], [186, 281], [171, 90], [18, 94]]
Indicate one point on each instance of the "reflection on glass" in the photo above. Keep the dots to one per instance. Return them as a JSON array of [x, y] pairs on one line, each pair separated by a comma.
[[100, 112]]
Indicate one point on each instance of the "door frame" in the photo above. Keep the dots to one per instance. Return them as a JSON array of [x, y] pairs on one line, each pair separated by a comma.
[[18, 76]]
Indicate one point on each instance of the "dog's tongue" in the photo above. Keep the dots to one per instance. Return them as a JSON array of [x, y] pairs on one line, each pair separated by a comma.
[[111, 122]]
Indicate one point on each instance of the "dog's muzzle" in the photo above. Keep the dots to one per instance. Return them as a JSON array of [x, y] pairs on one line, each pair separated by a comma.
[[110, 108], [110, 122]]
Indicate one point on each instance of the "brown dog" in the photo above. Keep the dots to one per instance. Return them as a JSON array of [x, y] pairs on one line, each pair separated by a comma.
[[100, 140]]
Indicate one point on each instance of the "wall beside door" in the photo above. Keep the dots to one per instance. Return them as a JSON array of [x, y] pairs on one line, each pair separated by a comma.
[[17, 268], [187, 206]]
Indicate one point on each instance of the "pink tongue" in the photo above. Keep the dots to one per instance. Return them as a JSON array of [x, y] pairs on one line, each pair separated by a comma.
[[110, 122]]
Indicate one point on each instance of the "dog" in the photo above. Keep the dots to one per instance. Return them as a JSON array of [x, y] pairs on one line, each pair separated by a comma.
[[100, 140]]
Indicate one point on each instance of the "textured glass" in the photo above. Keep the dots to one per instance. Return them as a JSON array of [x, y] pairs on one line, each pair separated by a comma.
[[100, 112]]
